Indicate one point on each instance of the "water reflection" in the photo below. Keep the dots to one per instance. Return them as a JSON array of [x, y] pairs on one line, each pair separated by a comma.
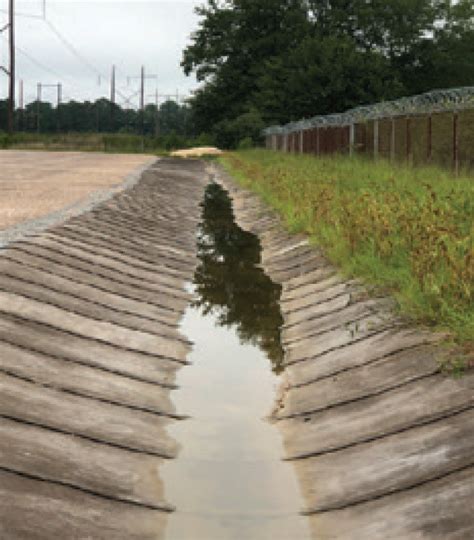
[[229, 482], [230, 284]]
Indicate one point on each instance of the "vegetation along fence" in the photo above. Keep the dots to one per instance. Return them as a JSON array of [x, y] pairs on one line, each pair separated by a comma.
[[432, 128]]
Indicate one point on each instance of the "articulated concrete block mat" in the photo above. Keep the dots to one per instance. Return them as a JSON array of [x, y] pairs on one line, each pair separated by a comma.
[[382, 442], [89, 350]]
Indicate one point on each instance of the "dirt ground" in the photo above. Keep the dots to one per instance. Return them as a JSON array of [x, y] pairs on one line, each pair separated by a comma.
[[34, 184]]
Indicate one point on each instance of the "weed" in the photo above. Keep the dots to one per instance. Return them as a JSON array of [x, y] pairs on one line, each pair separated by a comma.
[[95, 142], [408, 231]]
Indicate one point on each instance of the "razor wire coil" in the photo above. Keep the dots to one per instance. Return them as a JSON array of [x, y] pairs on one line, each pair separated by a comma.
[[437, 101]]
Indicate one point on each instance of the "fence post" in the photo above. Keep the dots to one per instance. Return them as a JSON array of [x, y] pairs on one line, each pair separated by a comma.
[[376, 139], [430, 139], [408, 135], [302, 141], [456, 143], [317, 141], [392, 140], [351, 139]]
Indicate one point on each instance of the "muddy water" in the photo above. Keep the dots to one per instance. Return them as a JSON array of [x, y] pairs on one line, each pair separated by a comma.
[[229, 482]]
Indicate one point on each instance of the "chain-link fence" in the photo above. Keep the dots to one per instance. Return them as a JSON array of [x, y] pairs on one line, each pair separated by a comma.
[[432, 128]]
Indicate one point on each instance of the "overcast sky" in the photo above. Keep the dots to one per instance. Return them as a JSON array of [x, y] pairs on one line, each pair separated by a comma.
[[127, 34]]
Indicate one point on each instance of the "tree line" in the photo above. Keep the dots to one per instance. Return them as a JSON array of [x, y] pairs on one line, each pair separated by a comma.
[[263, 62], [101, 116]]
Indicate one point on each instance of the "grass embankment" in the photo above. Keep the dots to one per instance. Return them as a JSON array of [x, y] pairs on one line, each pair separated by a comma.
[[85, 142], [408, 231], [95, 142]]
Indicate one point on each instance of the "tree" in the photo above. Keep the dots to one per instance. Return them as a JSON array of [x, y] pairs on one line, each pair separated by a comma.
[[249, 125], [323, 75], [447, 58], [174, 118], [287, 59], [100, 116], [233, 41]]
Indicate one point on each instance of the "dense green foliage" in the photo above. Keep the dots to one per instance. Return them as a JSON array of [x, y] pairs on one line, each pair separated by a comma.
[[409, 231], [273, 61], [101, 116]]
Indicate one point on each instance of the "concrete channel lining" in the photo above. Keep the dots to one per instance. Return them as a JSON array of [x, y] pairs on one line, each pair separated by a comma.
[[381, 440], [89, 349]]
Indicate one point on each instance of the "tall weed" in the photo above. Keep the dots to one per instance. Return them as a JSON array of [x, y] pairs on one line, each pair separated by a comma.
[[409, 231]]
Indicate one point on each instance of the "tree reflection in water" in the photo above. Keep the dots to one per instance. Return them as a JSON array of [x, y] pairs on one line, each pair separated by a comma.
[[230, 285]]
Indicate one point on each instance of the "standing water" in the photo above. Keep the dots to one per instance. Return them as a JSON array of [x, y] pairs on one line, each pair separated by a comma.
[[229, 482]]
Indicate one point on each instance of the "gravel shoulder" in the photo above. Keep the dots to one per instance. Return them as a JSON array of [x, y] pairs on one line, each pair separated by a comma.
[[41, 189]]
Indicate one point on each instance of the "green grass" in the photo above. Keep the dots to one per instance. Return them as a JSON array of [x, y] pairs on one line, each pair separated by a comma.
[[408, 231], [94, 142], [85, 142]]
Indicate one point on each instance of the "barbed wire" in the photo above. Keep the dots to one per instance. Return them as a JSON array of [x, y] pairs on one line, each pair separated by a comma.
[[437, 101]]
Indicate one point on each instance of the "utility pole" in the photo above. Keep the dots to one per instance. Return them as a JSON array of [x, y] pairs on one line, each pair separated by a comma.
[[112, 86], [21, 104], [165, 97], [11, 68], [38, 107], [59, 94], [142, 106], [143, 78], [157, 97], [157, 119], [112, 98], [21, 101], [58, 106], [142, 89], [141, 92], [10, 71], [11, 101]]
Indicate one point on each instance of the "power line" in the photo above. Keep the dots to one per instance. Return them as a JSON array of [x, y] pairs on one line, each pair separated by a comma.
[[40, 65], [37, 62], [72, 49], [23, 15], [124, 95], [66, 43]]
